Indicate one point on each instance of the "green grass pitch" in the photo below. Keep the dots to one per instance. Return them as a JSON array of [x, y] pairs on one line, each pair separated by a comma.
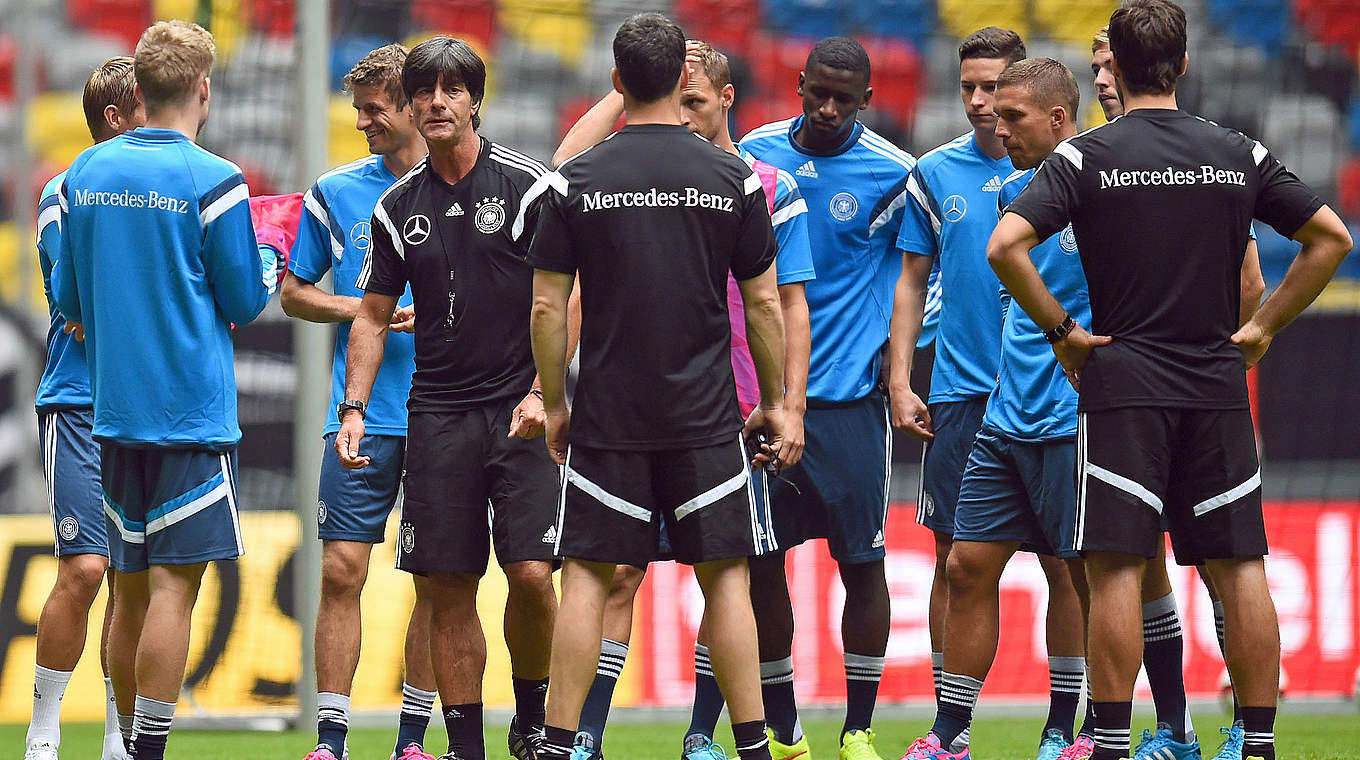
[[1299, 737]]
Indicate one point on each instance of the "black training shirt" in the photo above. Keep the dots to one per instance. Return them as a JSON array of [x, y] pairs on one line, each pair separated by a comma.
[[653, 218], [470, 285], [1161, 202]]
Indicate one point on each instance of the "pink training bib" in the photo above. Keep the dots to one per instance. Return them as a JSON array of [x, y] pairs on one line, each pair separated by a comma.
[[743, 367]]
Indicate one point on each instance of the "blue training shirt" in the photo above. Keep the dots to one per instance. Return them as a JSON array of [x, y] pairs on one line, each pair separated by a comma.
[[788, 217], [951, 216], [1033, 400], [158, 258], [855, 195], [334, 234], [930, 316], [65, 382]]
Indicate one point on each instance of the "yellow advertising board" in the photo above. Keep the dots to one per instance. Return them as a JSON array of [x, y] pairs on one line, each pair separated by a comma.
[[245, 653]]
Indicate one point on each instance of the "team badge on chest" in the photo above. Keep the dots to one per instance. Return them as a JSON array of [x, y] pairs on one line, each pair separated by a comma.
[[490, 215]]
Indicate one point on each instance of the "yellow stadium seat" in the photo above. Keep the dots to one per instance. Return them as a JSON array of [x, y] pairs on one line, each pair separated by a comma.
[[56, 127], [1094, 116], [961, 18], [560, 27], [1073, 21], [16, 261], [346, 143]]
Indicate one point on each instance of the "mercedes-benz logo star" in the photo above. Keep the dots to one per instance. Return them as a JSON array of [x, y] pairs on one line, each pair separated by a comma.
[[955, 207], [417, 229]]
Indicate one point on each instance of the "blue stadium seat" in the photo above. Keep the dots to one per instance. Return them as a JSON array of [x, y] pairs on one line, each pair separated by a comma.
[[1261, 23], [1353, 122], [808, 18], [346, 51], [912, 20]]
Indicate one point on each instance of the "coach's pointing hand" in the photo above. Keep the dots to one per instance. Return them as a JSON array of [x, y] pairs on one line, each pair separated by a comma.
[[528, 418], [1073, 351], [347, 441]]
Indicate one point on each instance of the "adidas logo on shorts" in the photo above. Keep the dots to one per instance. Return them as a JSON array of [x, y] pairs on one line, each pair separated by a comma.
[[878, 541], [807, 170], [550, 535]]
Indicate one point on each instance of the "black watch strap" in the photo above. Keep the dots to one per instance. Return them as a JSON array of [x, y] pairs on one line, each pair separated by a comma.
[[354, 404], [1058, 333]]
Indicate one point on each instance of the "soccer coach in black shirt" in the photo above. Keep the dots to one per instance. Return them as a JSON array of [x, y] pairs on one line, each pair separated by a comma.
[[1160, 201], [653, 219]]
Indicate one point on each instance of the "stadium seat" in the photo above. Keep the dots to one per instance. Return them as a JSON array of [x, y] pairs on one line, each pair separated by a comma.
[[8, 52], [1073, 21], [912, 20], [776, 63], [459, 18], [122, 19], [274, 18], [724, 24], [346, 142], [346, 51], [1348, 189], [574, 109], [808, 18], [960, 18], [897, 77], [560, 27], [56, 127], [1259, 23], [1335, 22], [1353, 122]]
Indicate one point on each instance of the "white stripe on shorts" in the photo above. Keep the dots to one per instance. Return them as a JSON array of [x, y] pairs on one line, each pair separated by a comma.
[[1229, 496], [1131, 487], [735, 483], [622, 506]]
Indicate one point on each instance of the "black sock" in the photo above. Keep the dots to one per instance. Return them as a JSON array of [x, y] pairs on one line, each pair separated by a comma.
[[1163, 648], [954, 710], [708, 698], [1064, 684], [1088, 721], [1111, 733], [1259, 725], [464, 725], [781, 708], [752, 744], [595, 711], [862, 674], [530, 694], [557, 742], [152, 747], [416, 705]]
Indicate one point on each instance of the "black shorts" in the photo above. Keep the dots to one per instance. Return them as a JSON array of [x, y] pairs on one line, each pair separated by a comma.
[[1196, 468], [467, 485], [613, 504]]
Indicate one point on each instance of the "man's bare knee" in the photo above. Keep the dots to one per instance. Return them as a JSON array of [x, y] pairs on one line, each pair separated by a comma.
[[81, 575], [344, 569], [529, 578]]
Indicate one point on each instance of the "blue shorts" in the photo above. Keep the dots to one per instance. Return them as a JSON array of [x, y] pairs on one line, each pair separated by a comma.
[[169, 506], [71, 468], [1021, 491], [956, 424], [352, 505], [839, 489]]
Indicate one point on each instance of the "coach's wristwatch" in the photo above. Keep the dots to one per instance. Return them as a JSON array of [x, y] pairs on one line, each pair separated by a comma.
[[1058, 333], [349, 404]]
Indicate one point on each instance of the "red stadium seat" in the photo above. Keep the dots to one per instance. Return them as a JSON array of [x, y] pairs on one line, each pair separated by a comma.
[[8, 52], [727, 25], [574, 109], [896, 76], [1348, 189], [123, 19], [1335, 22], [777, 61], [460, 18], [273, 17]]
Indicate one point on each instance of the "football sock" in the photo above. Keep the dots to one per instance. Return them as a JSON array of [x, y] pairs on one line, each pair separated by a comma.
[[1162, 651], [751, 741], [125, 727], [416, 706], [596, 709], [936, 670], [1111, 734], [954, 709], [150, 727], [708, 698], [530, 694], [1259, 725], [464, 725], [49, 686], [1088, 720], [781, 709], [1064, 683], [332, 721], [1218, 629], [113, 739], [862, 674]]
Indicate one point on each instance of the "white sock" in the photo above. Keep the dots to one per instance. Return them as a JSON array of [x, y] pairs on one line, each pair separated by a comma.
[[113, 737], [49, 686]]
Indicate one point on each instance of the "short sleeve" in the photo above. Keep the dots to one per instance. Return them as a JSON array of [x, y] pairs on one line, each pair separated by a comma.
[[755, 247], [1051, 197], [552, 248], [920, 228], [789, 220], [1283, 201], [311, 255], [384, 269]]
